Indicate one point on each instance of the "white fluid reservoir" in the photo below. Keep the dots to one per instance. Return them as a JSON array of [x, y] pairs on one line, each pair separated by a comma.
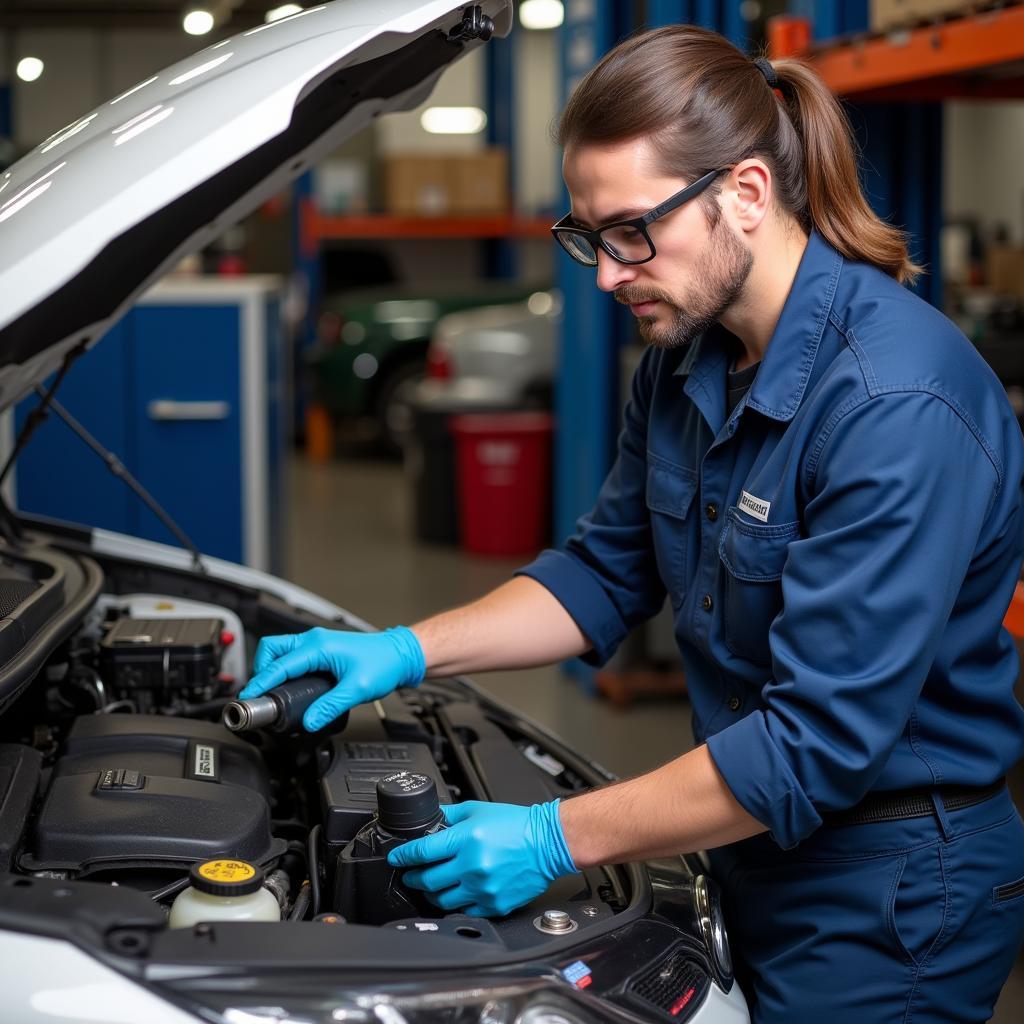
[[224, 890]]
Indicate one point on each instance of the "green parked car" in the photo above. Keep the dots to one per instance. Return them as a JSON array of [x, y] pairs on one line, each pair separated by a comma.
[[372, 350]]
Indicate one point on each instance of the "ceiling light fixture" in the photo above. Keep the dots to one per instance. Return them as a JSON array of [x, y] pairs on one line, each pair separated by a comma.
[[453, 120], [29, 69], [198, 22], [541, 14], [284, 11]]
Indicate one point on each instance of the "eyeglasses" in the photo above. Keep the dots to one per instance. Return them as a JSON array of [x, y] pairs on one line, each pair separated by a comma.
[[627, 240]]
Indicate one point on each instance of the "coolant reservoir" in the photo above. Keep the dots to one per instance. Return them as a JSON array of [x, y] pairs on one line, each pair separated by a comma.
[[224, 890]]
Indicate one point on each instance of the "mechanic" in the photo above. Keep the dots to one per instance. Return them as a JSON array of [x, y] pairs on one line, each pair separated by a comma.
[[825, 479]]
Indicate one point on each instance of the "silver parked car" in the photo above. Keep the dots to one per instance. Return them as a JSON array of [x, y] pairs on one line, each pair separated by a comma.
[[508, 352]]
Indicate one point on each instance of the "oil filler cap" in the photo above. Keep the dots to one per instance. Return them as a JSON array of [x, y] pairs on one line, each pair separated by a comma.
[[407, 802], [226, 877]]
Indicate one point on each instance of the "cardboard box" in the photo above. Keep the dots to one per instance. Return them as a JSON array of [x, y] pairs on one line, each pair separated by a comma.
[[889, 14], [479, 183], [417, 186], [340, 186], [473, 184], [1004, 268]]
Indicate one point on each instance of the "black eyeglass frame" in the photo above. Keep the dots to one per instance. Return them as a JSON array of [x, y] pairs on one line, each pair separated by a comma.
[[566, 227]]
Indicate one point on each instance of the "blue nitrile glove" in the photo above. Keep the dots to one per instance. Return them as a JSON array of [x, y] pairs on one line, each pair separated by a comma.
[[492, 859], [368, 666]]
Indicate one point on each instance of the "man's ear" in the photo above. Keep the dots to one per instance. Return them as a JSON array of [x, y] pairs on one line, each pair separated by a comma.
[[750, 193]]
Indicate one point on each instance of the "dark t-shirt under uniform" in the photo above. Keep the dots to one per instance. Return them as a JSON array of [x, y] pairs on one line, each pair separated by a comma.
[[737, 385]]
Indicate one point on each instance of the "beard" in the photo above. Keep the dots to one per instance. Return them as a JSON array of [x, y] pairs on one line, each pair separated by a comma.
[[719, 277]]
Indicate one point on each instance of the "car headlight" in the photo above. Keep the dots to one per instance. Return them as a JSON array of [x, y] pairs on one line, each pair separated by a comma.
[[533, 1001], [712, 928]]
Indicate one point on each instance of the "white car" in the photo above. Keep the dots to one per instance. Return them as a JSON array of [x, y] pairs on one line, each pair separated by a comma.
[[508, 351], [119, 657]]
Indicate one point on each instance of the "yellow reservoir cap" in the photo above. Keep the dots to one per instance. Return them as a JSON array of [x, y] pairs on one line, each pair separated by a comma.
[[226, 876], [227, 870]]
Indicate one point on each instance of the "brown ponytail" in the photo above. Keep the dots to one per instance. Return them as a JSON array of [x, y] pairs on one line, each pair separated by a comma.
[[835, 201], [703, 104]]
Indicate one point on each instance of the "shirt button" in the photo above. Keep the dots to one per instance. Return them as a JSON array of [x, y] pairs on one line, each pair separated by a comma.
[[711, 511], [734, 703], [707, 603]]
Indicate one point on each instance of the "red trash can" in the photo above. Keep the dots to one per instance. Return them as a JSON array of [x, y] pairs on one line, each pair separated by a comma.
[[504, 481]]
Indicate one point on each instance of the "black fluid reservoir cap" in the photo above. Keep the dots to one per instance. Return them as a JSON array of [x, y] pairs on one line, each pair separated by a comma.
[[226, 876], [406, 801]]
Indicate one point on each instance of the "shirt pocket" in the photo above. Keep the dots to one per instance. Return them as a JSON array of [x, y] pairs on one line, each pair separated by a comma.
[[753, 557], [670, 491]]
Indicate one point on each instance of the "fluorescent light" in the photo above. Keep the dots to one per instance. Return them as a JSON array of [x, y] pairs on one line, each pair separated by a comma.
[[540, 14], [29, 69], [284, 11], [198, 23], [453, 120]]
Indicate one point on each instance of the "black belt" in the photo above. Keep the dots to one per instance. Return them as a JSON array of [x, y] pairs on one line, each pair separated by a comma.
[[896, 804]]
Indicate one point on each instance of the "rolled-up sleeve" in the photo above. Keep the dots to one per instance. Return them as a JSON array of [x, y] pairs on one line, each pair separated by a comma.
[[606, 577], [898, 491]]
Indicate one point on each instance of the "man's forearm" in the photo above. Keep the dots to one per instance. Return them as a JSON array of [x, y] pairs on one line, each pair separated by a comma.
[[518, 625], [681, 807]]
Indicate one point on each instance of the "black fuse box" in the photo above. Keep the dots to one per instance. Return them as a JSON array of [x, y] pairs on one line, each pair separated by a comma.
[[162, 654], [364, 754]]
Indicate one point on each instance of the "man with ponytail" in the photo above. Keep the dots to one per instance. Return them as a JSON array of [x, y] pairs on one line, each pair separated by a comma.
[[824, 479]]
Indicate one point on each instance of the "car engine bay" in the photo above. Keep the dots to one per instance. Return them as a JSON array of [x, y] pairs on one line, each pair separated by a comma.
[[117, 768]]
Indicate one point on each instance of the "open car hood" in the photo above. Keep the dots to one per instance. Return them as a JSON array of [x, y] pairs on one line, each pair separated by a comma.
[[106, 206]]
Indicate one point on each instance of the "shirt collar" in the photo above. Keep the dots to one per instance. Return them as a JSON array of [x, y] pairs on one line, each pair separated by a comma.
[[779, 385]]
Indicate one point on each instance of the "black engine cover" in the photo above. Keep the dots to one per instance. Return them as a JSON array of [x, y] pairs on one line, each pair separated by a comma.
[[137, 791]]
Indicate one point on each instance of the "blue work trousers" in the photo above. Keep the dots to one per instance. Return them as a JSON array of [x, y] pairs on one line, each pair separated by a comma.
[[918, 920]]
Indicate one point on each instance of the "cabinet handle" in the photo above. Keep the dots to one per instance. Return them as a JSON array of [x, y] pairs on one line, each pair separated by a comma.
[[168, 409]]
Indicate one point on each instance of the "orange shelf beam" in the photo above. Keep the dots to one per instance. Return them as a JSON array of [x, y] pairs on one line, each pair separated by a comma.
[[1014, 619], [316, 227], [912, 57]]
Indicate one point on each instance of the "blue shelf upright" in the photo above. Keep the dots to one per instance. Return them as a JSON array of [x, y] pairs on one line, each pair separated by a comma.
[[500, 254]]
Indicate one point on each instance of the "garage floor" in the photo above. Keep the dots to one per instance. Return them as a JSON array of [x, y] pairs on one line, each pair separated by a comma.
[[350, 539]]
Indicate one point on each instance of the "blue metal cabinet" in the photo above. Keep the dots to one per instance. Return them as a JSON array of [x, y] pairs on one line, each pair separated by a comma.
[[188, 391]]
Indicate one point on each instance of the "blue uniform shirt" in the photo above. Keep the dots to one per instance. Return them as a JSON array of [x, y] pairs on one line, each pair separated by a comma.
[[839, 552]]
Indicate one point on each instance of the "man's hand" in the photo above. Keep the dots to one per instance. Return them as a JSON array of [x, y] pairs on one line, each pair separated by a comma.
[[492, 859], [368, 666]]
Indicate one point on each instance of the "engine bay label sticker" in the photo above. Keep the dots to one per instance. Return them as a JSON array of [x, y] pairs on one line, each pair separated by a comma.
[[227, 871], [578, 974], [550, 764], [203, 762]]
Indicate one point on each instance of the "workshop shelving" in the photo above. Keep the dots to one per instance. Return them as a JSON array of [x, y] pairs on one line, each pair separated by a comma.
[[318, 227], [977, 56]]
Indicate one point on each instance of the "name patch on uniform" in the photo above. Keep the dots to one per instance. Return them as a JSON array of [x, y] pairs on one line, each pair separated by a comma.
[[755, 506]]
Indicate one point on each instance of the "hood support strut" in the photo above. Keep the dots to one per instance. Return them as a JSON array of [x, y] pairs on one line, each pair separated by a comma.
[[9, 525]]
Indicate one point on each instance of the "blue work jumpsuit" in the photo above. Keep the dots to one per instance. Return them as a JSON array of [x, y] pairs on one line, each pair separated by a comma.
[[839, 553]]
